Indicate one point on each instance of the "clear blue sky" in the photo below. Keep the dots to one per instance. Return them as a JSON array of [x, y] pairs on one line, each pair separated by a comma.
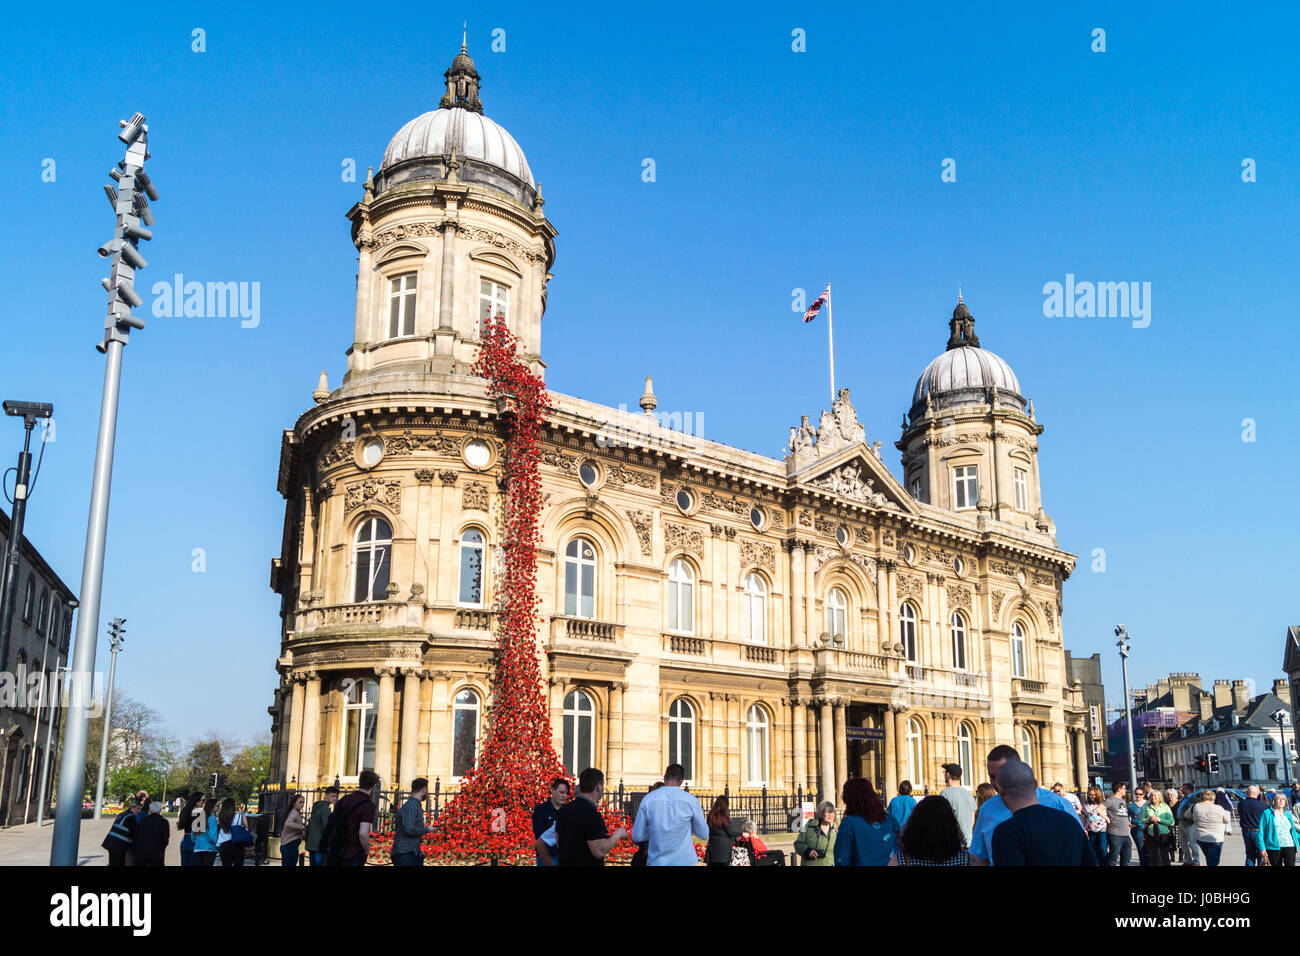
[[775, 170]]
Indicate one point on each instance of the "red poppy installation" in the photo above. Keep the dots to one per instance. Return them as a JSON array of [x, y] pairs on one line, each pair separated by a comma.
[[517, 760]]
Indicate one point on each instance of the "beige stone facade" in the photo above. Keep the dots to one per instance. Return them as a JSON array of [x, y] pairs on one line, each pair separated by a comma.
[[771, 622]]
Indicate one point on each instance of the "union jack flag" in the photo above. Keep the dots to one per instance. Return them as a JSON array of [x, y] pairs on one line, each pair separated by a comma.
[[817, 304]]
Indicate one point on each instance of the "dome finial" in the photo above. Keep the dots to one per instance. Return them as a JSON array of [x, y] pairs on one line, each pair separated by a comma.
[[961, 327], [462, 81], [464, 36]]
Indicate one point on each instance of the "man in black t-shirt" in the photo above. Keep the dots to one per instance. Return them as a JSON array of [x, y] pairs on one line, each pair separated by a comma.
[[544, 813], [1035, 835], [581, 836]]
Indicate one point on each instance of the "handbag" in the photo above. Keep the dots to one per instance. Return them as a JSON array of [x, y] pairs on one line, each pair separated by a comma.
[[240, 835], [739, 854]]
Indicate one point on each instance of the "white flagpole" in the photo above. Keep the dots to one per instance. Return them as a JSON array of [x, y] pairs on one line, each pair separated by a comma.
[[830, 338]]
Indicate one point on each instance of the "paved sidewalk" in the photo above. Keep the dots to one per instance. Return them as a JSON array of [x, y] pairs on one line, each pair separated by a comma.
[[28, 846]]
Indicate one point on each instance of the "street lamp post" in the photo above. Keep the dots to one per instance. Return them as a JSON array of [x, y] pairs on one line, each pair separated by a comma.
[[1280, 716], [29, 412], [130, 201], [116, 635], [1123, 644]]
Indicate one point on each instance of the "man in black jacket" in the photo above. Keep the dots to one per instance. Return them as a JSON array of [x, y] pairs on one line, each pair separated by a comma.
[[1249, 812], [544, 813], [151, 836], [122, 833]]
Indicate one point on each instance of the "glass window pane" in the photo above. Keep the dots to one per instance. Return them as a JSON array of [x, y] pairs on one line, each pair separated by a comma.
[[352, 738], [471, 575], [584, 743], [568, 745], [686, 757], [379, 575], [465, 734], [672, 607], [589, 591], [360, 591], [368, 751]]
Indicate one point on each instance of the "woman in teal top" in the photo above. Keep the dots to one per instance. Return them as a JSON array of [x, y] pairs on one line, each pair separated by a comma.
[[901, 807], [868, 836], [1278, 834], [203, 831]]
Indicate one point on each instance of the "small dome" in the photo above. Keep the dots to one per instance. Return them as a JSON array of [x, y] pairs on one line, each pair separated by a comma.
[[963, 376], [484, 150]]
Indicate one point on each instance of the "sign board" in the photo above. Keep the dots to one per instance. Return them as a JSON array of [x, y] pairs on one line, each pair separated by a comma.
[[808, 810], [864, 733]]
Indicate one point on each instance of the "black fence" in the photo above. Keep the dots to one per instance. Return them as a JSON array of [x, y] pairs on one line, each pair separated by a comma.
[[771, 811]]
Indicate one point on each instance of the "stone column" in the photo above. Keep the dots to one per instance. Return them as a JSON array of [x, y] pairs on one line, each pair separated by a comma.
[[447, 278], [901, 747], [800, 742], [796, 592], [384, 728], [410, 726], [814, 773], [309, 760], [841, 747], [293, 768], [882, 607], [891, 752], [423, 759], [1081, 760], [813, 627], [828, 752], [615, 775]]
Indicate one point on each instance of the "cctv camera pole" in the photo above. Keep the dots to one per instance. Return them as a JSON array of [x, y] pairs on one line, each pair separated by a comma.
[[115, 637], [131, 208], [1280, 717], [44, 802], [1123, 645], [30, 412]]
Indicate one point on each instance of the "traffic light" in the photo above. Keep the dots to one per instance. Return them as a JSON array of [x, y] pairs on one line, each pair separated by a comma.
[[1201, 764], [218, 780], [130, 201], [1212, 763]]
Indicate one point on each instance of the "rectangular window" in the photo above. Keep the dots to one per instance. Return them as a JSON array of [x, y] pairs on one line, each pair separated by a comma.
[[1094, 713], [916, 490], [493, 301], [1268, 743], [1241, 744], [1272, 771], [1022, 490], [401, 306], [464, 742], [966, 490], [1096, 753]]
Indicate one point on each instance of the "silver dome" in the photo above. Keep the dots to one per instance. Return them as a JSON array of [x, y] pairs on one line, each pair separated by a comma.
[[486, 152], [963, 376]]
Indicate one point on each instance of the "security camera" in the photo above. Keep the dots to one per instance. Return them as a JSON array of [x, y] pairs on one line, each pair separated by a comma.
[[28, 409]]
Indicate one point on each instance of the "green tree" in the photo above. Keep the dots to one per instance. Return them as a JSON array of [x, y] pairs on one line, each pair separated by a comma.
[[125, 781], [249, 769], [205, 759]]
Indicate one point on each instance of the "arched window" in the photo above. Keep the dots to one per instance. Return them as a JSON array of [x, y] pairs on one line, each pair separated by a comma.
[[837, 613], [915, 766], [681, 735], [42, 611], [29, 599], [966, 755], [756, 747], [359, 724], [1017, 650], [579, 731], [371, 556], [1026, 746], [401, 305], [471, 568], [958, 624], [755, 609], [907, 632], [580, 579], [681, 597], [464, 733]]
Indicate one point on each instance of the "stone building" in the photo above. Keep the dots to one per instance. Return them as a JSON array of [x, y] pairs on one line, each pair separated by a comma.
[[1243, 732], [38, 646], [766, 622], [1087, 671]]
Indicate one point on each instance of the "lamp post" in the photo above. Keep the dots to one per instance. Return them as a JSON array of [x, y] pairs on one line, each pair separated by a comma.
[[116, 636], [1282, 719], [1123, 644], [130, 201], [28, 412]]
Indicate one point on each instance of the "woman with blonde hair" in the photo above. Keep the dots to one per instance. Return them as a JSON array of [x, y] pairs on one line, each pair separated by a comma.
[[815, 845], [1158, 824], [1095, 821], [1210, 823]]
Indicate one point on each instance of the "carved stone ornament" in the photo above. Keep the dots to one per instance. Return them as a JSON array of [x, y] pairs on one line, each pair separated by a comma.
[[678, 537], [643, 522], [907, 585], [447, 477], [848, 482], [1051, 618], [959, 596], [758, 555], [1003, 567], [998, 597], [408, 443], [558, 459], [425, 474], [887, 538], [866, 563], [618, 475], [339, 451], [385, 491], [475, 496], [836, 429]]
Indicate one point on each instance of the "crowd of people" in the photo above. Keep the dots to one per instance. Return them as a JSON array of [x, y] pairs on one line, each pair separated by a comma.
[[1009, 821]]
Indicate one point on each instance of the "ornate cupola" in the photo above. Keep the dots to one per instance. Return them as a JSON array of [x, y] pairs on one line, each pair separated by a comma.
[[970, 440], [462, 83], [449, 230]]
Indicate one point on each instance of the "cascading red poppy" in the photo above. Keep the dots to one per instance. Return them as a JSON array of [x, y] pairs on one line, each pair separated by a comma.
[[517, 760]]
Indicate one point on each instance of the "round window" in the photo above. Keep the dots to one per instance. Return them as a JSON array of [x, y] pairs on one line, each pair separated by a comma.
[[842, 536], [958, 565], [685, 500], [372, 452], [909, 554], [1020, 578], [477, 454], [587, 473], [756, 517]]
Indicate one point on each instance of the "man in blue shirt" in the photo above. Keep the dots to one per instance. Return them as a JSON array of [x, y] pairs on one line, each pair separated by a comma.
[[994, 810], [667, 818]]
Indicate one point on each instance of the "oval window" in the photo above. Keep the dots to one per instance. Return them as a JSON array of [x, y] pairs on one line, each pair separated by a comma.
[[756, 518], [477, 454], [685, 500], [372, 452], [842, 536], [587, 473]]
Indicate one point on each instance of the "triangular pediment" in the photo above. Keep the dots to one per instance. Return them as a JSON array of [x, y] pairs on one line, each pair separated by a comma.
[[856, 475]]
